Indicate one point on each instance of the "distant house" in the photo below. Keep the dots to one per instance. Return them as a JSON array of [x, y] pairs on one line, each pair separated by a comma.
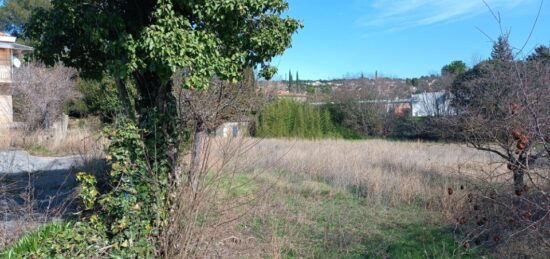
[[431, 104], [11, 54], [233, 129]]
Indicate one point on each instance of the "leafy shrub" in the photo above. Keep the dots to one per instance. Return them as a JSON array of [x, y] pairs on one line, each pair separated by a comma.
[[123, 214], [98, 97]]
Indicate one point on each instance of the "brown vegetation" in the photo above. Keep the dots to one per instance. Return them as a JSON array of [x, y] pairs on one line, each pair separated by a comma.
[[384, 171], [41, 93], [41, 142]]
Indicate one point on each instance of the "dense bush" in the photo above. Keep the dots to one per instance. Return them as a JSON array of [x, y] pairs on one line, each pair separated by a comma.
[[99, 98], [288, 118], [372, 120]]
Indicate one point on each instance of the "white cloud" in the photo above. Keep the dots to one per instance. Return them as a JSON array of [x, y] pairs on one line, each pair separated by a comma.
[[401, 14]]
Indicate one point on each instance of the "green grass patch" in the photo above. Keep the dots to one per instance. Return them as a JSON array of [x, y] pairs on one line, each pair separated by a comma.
[[317, 220], [32, 242]]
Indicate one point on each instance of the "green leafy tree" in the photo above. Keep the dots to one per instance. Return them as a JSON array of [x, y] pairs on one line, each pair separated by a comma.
[[454, 68], [14, 14], [288, 118], [98, 98], [147, 42]]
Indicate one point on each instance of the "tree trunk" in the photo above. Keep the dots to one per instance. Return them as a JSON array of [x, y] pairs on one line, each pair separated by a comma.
[[518, 180], [125, 97], [519, 170], [158, 113], [197, 155]]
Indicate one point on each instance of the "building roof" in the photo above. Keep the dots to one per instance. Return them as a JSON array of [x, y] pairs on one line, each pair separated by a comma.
[[10, 45]]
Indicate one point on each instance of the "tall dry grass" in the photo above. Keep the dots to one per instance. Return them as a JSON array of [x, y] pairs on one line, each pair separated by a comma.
[[76, 142], [209, 222], [471, 189], [382, 171]]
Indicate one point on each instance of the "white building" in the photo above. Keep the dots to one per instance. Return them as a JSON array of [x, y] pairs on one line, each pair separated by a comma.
[[431, 104], [10, 57]]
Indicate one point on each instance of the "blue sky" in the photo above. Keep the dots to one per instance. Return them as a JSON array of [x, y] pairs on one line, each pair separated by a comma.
[[403, 38]]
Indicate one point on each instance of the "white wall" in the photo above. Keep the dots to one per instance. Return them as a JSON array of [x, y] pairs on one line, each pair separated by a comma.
[[431, 104], [6, 110]]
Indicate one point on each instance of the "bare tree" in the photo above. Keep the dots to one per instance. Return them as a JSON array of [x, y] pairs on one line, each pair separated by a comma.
[[358, 105], [206, 110], [503, 108], [43, 91]]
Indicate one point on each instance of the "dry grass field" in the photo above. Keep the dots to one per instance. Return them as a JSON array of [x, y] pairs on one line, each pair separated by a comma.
[[333, 198], [385, 172], [268, 198]]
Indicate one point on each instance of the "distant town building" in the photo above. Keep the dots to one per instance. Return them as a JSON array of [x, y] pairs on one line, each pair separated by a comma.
[[431, 104], [11, 55]]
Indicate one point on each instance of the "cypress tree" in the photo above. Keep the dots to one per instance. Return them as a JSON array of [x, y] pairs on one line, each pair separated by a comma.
[[298, 86], [289, 81]]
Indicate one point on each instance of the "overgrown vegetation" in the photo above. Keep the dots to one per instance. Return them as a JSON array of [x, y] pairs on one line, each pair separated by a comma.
[[167, 73], [291, 119], [127, 213]]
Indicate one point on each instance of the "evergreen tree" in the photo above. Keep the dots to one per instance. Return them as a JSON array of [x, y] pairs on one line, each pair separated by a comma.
[[502, 50], [288, 118], [297, 83], [542, 53], [289, 81]]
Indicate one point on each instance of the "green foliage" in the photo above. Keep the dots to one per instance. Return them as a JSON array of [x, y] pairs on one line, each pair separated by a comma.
[[541, 54], [148, 42], [99, 98], [366, 230], [32, 242], [455, 68], [135, 207], [286, 118], [290, 79], [14, 14], [125, 219], [204, 37], [88, 191]]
